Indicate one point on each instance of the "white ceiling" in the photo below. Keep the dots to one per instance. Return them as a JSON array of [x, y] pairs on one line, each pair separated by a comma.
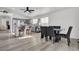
[[18, 12]]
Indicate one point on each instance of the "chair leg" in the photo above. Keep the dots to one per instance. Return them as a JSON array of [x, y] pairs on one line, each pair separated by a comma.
[[50, 38], [68, 40], [53, 40], [46, 38], [42, 36]]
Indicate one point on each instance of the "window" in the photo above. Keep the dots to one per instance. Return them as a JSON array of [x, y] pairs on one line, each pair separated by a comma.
[[44, 21], [35, 21]]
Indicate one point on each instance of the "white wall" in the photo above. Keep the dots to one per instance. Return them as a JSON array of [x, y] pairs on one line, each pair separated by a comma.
[[65, 18], [3, 20]]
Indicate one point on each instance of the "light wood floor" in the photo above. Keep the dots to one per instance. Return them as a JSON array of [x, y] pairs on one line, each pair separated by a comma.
[[34, 43]]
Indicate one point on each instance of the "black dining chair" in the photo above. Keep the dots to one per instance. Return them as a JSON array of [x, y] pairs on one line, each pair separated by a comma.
[[50, 33], [44, 32], [56, 33], [57, 27], [67, 35]]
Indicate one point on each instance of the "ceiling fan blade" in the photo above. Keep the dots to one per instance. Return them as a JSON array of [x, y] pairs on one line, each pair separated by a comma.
[[32, 10], [29, 11], [25, 11], [5, 11]]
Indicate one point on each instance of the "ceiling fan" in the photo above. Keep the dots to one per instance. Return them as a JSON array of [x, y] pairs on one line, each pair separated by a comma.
[[4, 11], [27, 10]]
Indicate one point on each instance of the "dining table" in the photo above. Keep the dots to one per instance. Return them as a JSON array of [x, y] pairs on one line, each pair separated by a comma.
[[47, 33]]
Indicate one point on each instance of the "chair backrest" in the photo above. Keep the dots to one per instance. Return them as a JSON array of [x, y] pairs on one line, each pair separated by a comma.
[[43, 29], [50, 31], [69, 31], [57, 27]]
